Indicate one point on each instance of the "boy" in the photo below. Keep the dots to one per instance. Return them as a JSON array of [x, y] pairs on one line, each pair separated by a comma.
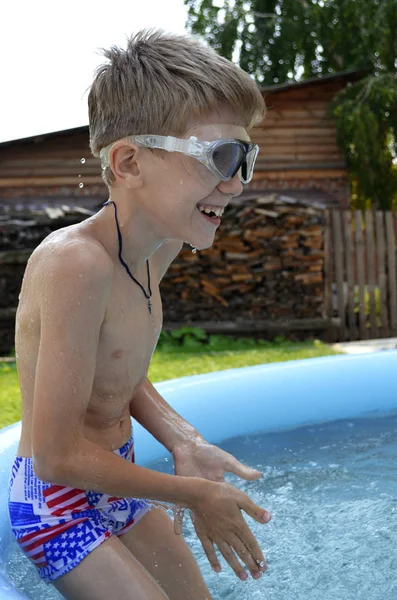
[[169, 119]]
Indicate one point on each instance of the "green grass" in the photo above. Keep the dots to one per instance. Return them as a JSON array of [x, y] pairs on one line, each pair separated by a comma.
[[10, 397], [193, 358], [179, 363]]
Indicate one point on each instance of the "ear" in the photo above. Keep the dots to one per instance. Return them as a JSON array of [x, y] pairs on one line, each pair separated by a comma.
[[124, 162]]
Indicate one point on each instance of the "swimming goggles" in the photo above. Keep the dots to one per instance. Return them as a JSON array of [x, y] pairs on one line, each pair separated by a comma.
[[224, 158]]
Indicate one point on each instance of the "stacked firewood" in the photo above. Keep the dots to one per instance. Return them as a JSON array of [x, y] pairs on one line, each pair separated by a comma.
[[20, 233], [267, 262], [19, 236]]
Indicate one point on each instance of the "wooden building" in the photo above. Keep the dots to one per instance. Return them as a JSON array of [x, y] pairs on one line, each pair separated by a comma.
[[299, 157], [50, 170]]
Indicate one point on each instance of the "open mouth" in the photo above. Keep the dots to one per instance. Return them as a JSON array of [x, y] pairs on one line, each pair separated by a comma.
[[213, 215]]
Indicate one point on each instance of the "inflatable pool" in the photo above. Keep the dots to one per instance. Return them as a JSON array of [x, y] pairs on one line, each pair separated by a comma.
[[244, 402]]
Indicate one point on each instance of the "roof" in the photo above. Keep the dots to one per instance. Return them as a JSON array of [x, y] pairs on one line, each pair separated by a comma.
[[34, 139], [343, 77]]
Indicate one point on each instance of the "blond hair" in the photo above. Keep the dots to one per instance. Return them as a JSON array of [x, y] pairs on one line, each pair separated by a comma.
[[162, 84]]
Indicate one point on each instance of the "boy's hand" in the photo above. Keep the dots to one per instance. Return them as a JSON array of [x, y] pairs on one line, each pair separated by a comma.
[[201, 459], [218, 520], [226, 528]]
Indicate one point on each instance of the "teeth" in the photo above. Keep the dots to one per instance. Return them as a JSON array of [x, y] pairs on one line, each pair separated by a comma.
[[217, 210]]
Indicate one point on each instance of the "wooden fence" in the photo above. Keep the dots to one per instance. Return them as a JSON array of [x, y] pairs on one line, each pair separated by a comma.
[[360, 274]]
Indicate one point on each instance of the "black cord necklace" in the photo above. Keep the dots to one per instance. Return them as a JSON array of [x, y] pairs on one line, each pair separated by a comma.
[[147, 295]]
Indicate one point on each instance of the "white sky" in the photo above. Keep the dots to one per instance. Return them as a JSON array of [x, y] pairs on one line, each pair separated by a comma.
[[49, 50]]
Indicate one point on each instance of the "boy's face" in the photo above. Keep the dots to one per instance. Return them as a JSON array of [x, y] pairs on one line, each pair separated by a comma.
[[175, 185]]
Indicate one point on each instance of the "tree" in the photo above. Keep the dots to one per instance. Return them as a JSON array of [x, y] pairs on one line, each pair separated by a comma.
[[279, 41]]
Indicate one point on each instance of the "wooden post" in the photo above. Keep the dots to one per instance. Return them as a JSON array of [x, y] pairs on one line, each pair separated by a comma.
[[391, 272], [370, 248], [347, 226], [338, 253], [328, 276], [382, 279], [361, 275]]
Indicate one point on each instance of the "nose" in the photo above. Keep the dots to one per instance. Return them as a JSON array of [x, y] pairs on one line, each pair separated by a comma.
[[233, 187]]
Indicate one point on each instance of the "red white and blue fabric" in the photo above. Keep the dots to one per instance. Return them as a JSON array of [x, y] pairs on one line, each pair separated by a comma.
[[57, 526]]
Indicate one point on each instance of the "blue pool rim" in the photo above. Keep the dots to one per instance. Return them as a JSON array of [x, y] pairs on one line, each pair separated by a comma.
[[236, 402]]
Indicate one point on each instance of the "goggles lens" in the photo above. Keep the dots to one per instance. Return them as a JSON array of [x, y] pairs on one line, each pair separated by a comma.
[[228, 158], [233, 156]]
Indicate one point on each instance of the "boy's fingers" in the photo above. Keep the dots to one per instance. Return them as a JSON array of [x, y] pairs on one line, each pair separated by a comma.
[[178, 521], [209, 550], [256, 512], [252, 546], [243, 471], [255, 566], [229, 556]]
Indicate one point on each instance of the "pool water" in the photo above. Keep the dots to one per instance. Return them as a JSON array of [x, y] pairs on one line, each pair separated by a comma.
[[332, 491]]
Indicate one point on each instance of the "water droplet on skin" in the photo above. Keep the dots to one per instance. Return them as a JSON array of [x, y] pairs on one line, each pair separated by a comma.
[[180, 565], [81, 185], [82, 160]]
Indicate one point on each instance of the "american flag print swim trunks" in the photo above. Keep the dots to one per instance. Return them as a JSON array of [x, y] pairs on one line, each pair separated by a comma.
[[57, 526]]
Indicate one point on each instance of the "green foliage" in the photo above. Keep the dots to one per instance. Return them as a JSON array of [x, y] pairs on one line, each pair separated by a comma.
[[285, 40], [279, 41], [187, 337], [367, 131], [195, 339], [367, 304]]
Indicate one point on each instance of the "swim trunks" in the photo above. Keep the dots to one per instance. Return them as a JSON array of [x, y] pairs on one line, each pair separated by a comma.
[[57, 526]]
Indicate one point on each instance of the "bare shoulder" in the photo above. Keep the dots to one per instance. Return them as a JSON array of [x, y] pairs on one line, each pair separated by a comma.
[[66, 259], [165, 255]]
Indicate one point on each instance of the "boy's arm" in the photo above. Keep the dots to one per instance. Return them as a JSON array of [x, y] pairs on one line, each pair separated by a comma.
[[193, 456], [150, 409]]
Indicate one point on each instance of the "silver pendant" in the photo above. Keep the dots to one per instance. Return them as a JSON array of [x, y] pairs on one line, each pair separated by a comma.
[[150, 305]]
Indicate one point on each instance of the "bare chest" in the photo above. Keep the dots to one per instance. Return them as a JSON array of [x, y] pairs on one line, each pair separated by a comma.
[[127, 341]]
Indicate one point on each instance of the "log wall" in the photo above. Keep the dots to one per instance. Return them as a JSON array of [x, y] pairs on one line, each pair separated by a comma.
[[297, 140]]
